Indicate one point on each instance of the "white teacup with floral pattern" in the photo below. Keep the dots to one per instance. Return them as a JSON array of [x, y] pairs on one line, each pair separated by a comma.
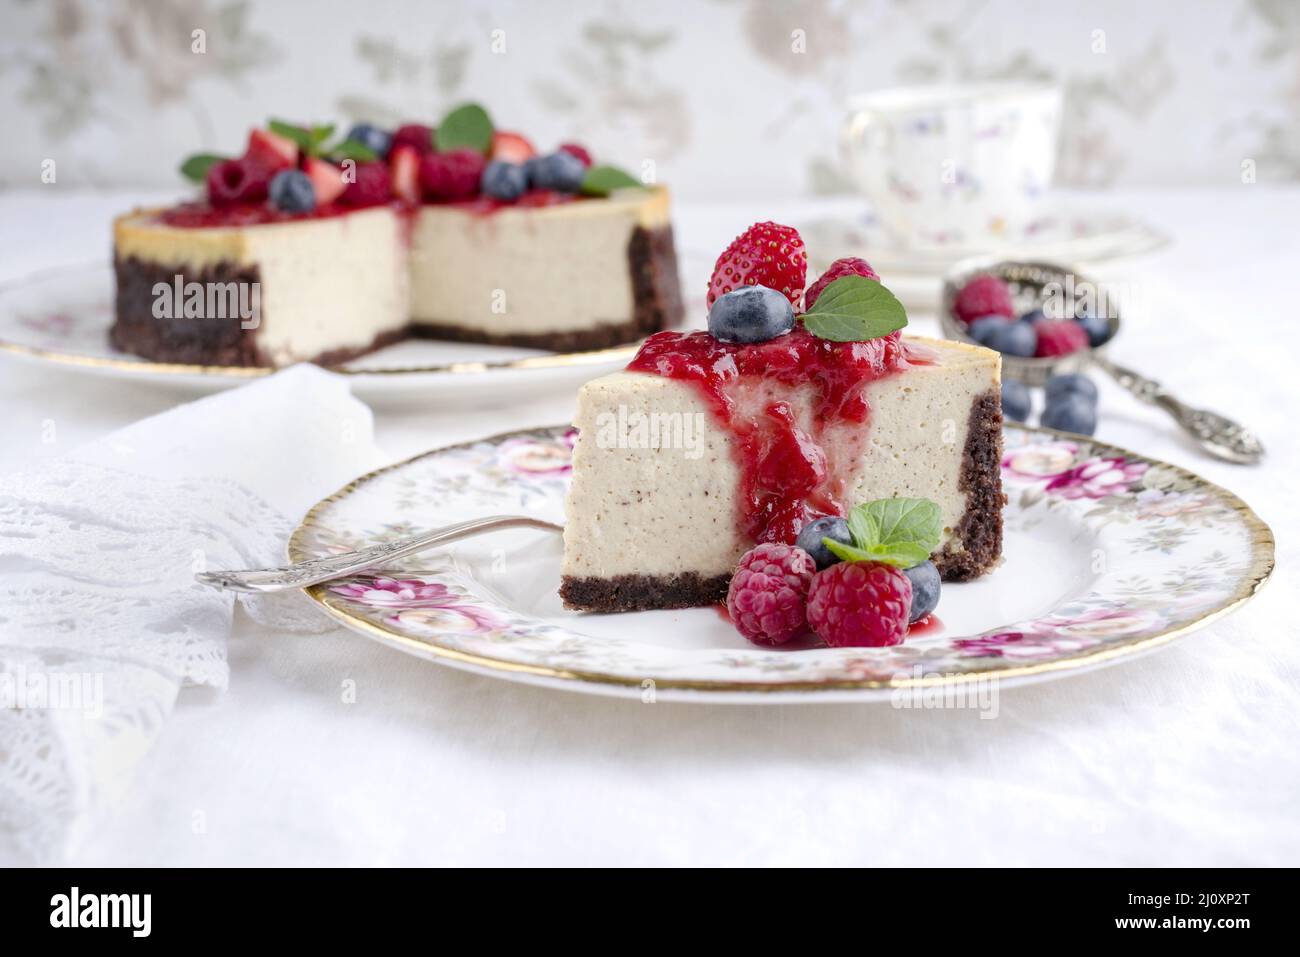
[[955, 166]]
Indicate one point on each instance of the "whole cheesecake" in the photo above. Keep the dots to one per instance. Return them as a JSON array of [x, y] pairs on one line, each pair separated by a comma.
[[498, 249], [705, 447]]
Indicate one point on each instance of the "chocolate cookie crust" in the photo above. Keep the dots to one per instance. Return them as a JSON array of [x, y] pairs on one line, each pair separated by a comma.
[[980, 528], [208, 341], [643, 592]]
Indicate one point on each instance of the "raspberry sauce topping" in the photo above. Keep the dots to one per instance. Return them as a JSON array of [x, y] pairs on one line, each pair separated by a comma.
[[485, 205], [791, 470], [205, 216], [202, 215]]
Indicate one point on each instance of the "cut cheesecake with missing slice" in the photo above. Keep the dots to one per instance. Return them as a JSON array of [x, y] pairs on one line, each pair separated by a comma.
[[304, 251], [704, 447]]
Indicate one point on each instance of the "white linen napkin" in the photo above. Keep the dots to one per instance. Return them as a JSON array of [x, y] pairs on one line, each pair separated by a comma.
[[101, 621]]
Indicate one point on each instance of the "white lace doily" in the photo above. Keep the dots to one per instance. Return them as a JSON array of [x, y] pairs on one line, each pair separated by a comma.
[[101, 621]]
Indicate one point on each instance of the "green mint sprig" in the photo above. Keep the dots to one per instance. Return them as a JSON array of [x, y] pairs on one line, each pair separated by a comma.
[[895, 531], [195, 168], [351, 150], [603, 180], [309, 139], [466, 127], [855, 309]]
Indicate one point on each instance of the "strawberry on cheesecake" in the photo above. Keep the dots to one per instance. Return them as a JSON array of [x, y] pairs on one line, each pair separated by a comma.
[[770, 429], [458, 232]]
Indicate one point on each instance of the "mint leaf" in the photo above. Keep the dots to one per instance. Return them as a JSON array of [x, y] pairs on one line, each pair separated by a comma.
[[896, 531], [603, 180], [847, 552], [900, 555], [353, 150], [906, 519], [291, 131], [855, 309], [863, 528], [196, 167], [468, 127], [309, 139]]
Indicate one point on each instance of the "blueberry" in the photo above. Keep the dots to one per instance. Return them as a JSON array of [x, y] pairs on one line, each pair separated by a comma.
[[1033, 316], [925, 589], [560, 171], [503, 180], [981, 329], [1071, 412], [750, 314], [292, 192], [1097, 328], [828, 526], [373, 138], [1014, 339], [1071, 382], [1016, 402]]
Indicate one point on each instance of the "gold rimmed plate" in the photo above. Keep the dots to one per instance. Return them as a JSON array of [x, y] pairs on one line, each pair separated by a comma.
[[1108, 554], [61, 317]]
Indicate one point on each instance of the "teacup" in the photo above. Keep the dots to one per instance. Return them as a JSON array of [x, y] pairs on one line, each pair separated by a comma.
[[955, 166]]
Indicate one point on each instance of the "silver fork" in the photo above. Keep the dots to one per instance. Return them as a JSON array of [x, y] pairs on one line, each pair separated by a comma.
[[317, 570]]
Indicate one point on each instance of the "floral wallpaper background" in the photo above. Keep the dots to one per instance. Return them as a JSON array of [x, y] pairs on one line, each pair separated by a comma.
[[725, 97]]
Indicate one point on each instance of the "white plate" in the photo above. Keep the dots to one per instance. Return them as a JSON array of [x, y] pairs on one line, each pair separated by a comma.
[[62, 316], [1107, 554]]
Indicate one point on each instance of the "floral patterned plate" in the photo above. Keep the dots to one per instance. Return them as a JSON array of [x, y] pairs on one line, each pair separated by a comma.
[[1107, 554], [62, 316]]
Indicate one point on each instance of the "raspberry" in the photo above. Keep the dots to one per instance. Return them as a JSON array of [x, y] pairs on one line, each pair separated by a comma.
[[984, 296], [766, 254], [414, 134], [372, 187], [573, 149], [1059, 337], [766, 597], [237, 181], [451, 175], [849, 266], [860, 605]]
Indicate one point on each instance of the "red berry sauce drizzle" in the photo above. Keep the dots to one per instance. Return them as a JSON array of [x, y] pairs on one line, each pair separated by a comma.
[[201, 215], [790, 472], [929, 625]]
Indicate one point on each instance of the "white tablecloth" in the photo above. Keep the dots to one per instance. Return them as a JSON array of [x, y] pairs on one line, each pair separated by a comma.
[[1186, 756]]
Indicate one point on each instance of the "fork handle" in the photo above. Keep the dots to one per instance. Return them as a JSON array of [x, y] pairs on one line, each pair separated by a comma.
[[317, 570]]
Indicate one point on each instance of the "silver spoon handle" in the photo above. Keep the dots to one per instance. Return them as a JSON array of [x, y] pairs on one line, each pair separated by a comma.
[[317, 570], [1217, 434]]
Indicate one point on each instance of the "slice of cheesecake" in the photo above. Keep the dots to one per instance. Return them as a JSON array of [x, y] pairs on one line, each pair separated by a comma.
[[702, 448], [564, 276]]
